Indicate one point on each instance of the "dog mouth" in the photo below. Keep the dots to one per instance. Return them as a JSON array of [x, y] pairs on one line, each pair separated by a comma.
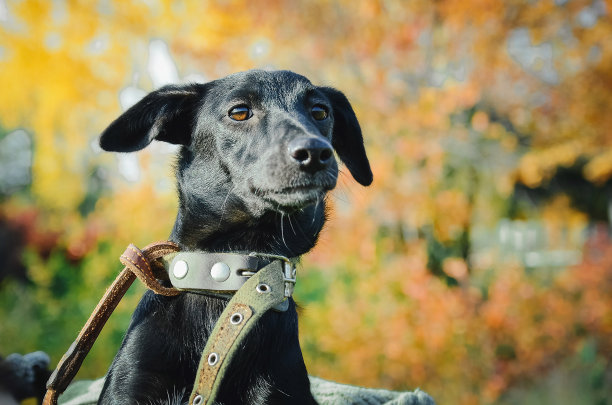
[[292, 197]]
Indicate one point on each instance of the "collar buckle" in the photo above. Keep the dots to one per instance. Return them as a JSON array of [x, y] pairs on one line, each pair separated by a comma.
[[289, 270]]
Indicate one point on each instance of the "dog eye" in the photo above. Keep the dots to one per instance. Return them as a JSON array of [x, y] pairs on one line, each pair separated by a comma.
[[240, 113], [319, 112]]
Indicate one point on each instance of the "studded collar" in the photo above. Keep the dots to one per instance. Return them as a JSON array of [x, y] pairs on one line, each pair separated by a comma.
[[257, 283], [222, 273]]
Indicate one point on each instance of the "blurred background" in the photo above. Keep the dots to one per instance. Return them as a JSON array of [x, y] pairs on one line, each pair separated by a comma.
[[478, 266]]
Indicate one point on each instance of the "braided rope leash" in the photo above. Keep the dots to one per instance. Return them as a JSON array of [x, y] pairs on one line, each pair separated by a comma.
[[138, 264]]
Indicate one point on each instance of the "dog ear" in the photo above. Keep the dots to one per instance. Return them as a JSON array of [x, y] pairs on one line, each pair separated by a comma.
[[166, 114], [347, 139]]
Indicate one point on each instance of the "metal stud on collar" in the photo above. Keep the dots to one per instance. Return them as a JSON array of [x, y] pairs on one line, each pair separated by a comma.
[[180, 269], [198, 400], [220, 272]]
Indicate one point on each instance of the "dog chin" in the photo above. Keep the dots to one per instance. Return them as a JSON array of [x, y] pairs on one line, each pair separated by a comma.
[[291, 200]]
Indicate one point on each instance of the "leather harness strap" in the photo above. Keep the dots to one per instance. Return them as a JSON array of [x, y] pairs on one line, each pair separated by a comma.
[[257, 291], [137, 264], [260, 293], [143, 267]]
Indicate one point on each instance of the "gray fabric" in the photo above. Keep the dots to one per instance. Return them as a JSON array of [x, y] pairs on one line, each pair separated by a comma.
[[24, 367], [332, 393], [325, 392], [21, 375], [85, 392]]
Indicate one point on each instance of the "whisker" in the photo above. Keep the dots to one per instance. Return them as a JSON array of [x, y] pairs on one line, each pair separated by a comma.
[[342, 193], [223, 205], [291, 224], [332, 175], [283, 229], [299, 227], [314, 212]]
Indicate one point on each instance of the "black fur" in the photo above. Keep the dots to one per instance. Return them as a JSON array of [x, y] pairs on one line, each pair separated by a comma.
[[240, 190]]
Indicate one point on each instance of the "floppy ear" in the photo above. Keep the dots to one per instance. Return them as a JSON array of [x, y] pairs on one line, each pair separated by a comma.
[[167, 114], [347, 139]]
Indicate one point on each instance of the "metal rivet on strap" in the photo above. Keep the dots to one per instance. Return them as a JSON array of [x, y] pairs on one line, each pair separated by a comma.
[[198, 400], [263, 288], [236, 318], [220, 272], [213, 359], [180, 269]]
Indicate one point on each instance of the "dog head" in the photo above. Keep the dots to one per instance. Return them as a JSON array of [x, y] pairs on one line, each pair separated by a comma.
[[254, 142]]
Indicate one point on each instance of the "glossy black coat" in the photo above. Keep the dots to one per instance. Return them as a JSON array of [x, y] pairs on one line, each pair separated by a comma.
[[242, 188]]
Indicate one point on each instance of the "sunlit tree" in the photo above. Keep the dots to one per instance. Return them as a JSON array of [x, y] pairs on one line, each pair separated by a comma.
[[474, 113]]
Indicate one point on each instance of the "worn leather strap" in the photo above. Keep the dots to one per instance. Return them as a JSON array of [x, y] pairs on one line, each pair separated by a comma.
[[138, 263], [196, 275], [263, 291], [134, 259], [268, 288]]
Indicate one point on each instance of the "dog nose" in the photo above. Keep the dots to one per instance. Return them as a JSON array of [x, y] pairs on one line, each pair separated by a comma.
[[313, 154]]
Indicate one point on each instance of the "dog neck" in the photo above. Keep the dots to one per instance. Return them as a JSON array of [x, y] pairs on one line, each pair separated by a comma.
[[289, 235]]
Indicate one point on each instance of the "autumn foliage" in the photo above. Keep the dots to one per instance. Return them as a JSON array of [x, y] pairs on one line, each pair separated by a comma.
[[476, 265]]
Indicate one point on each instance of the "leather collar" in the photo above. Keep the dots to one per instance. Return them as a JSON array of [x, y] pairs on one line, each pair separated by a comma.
[[223, 273], [268, 283]]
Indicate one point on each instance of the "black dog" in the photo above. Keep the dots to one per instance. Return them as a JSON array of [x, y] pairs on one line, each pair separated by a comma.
[[255, 164]]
